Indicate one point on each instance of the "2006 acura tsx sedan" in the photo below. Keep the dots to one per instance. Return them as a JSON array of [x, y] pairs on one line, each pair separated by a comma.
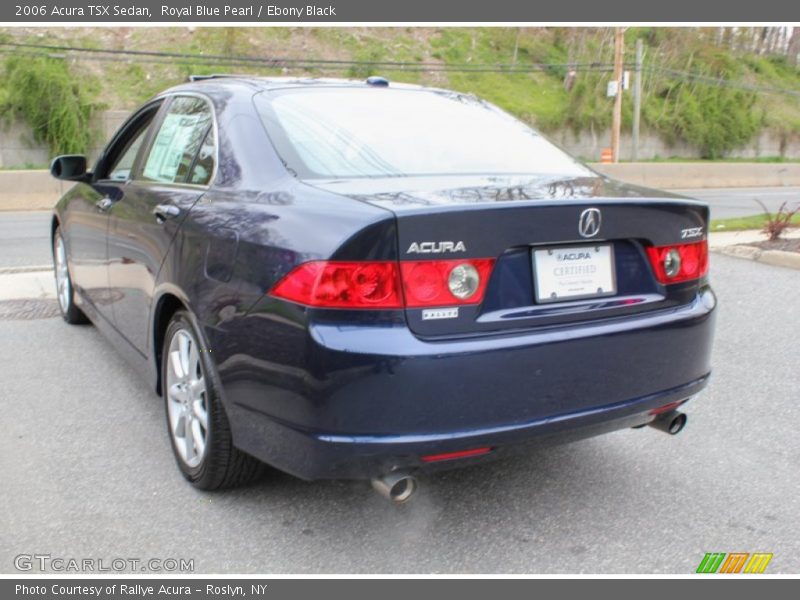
[[357, 279]]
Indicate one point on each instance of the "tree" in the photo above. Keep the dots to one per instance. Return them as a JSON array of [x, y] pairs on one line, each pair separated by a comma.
[[793, 48]]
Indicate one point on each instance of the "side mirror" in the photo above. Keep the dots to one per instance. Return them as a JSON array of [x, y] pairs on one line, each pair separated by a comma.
[[71, 167]]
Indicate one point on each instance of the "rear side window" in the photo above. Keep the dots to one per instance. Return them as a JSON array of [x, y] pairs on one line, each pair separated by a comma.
[[178, 142], [204, 161]]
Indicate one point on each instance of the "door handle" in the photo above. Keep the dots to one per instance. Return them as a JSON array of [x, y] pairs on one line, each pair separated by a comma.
[[166, 211], [104, 204]]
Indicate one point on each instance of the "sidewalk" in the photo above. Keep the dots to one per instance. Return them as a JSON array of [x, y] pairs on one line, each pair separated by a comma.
[[33, 284], [722, 239]]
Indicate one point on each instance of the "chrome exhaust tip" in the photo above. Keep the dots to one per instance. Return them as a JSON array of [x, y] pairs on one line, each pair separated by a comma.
[[671, 422], [396, 486]]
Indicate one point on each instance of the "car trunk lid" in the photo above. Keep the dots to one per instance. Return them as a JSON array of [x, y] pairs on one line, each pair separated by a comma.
[[529, 227]]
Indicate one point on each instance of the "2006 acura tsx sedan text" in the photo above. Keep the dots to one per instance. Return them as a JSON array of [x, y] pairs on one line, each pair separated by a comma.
[[357, 279]]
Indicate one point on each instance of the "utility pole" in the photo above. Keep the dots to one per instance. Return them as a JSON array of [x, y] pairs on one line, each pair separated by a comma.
[[619, 41], [637, 99]]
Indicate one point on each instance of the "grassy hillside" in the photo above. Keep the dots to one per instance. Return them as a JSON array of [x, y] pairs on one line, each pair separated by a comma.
[[711, 110]]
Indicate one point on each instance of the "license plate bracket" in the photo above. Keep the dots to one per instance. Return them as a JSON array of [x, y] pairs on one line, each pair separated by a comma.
[[562, 273]]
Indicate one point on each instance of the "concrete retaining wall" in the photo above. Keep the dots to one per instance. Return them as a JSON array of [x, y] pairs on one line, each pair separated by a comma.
[[589, 145], [704, 175], [30, 190], [18, 150], [37, 190]]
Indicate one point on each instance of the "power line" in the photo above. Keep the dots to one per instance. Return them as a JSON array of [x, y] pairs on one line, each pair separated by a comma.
[[276, 64], [335, 65], [719, 81], [285, 61]]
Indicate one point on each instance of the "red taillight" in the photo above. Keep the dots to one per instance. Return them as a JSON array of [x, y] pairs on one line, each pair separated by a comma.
[[342, 285], [453, 455], [382, 285], [431, 282], [681, 262]]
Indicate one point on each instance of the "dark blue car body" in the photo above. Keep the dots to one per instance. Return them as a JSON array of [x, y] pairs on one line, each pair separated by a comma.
[[324, 392]]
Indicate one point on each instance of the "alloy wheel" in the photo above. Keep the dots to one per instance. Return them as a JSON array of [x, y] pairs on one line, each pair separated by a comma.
[[187, 405], [63, 286]]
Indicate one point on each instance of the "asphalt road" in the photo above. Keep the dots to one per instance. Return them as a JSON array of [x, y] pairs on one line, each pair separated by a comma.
[[87, 472], [25, 236]]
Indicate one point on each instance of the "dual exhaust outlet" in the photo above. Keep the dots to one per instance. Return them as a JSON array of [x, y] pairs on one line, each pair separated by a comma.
[[400, 486]]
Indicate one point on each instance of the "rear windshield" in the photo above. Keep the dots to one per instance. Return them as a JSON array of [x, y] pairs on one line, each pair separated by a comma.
[[382, 132]]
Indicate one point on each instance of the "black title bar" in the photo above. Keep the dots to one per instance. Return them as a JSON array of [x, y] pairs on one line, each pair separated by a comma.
[[396, 12]]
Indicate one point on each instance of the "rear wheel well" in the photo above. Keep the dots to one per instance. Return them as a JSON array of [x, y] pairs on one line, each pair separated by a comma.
[[167, 306]]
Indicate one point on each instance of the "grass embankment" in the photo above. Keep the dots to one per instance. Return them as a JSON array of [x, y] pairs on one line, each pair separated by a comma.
[[745, 223], [715, 119]]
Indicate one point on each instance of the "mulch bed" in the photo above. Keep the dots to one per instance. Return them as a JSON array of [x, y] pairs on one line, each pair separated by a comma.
[[790, 245]]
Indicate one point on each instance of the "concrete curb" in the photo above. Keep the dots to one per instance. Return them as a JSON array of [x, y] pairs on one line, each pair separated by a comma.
[[778, 258], [25, 269]]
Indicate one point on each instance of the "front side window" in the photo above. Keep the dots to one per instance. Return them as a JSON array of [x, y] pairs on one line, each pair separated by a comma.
[[378, 132], [121, 171], [122, 156], [176, 144]]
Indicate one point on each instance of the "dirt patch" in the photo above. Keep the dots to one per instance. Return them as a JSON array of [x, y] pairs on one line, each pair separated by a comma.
[[790, 245]]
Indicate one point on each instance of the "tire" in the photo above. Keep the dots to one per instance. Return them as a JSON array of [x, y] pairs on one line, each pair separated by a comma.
[[197, 425], [65, 293]]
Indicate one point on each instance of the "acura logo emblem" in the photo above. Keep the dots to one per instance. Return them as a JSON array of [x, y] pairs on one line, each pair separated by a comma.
[[589, 222]]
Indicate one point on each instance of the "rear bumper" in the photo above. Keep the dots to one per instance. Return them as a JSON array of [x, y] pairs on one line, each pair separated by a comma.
[[322, 455], [364, 400]]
